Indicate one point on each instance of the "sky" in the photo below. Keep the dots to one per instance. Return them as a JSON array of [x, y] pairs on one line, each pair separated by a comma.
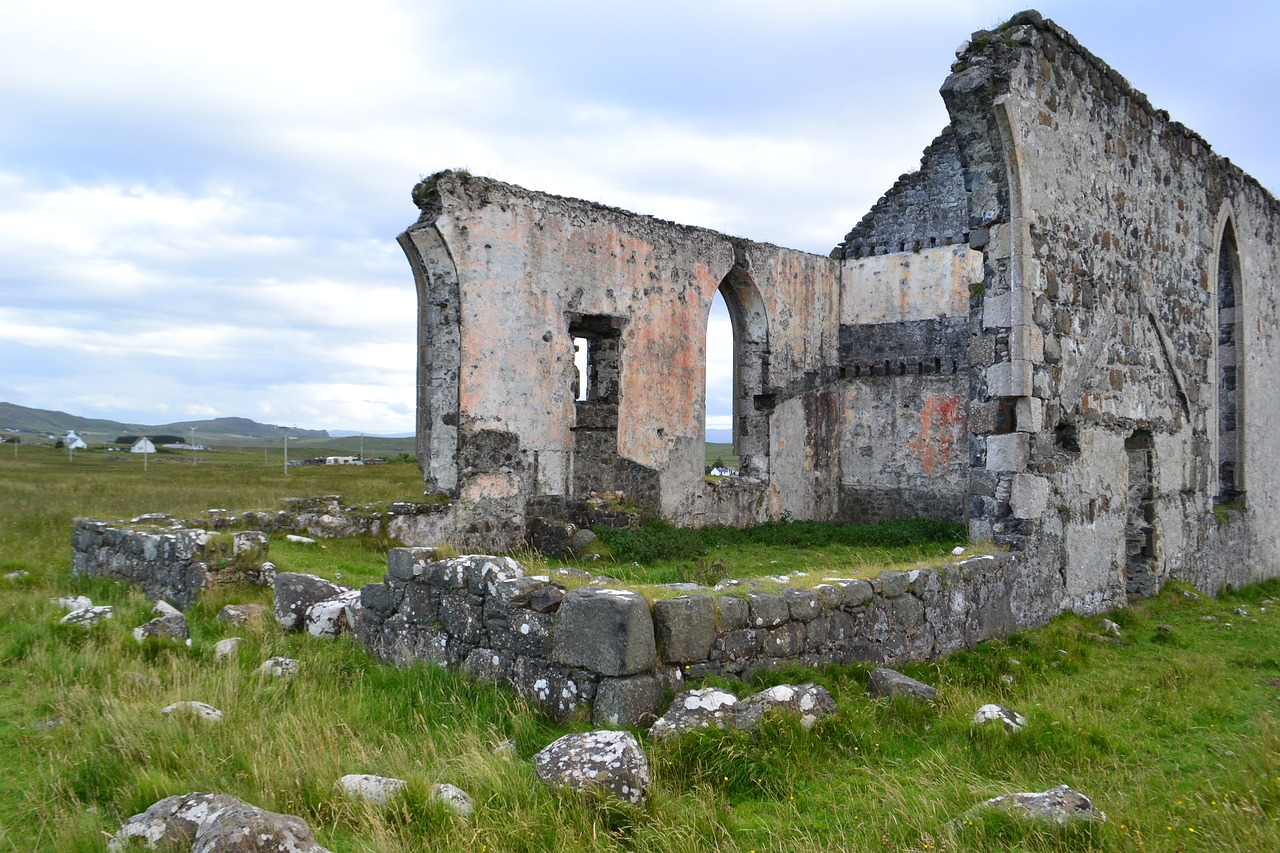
[[199, 202]]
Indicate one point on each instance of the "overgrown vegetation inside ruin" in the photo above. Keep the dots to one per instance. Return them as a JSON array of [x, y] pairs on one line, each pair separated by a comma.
[[659, 552], [1172, 730]]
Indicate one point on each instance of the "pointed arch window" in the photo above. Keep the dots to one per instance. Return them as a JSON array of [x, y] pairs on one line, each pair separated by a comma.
[[1230, 363]]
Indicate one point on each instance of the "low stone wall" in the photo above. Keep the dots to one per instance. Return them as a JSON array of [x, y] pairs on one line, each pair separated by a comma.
[[607, 649], [170, 562]]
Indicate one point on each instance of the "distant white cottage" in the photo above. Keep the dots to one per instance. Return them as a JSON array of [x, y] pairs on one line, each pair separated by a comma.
[[143, 445], [73, 441]]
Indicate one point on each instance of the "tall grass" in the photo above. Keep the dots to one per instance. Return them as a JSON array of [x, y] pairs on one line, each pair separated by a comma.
[[1173, 732]]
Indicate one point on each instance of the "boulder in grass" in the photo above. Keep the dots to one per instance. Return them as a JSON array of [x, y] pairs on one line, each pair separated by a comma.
[[295, 593], [279, 667], [453, 798], [164, 608], [610, 761], [225, 648], [1011, 719], [1059, 804], [694, 709], [171, 822], [173, 628], [378, 790], [888, 683], [199, 710], [71, 602], [809, 702], [87, 617], [214, 823]]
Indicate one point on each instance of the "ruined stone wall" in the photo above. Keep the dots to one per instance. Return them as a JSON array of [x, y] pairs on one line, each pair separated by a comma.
[[170, 562], [904, 363], [609, 650], [1095, 384], [533, 272], [924, 209]]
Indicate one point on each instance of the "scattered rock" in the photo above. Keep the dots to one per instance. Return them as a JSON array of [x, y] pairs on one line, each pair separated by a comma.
[[378, 790], [1110, 627], [224, 649], [196, 709], [453, 798], [611, 760], [581, 541], [808, 701], [333, 616], [279, 667], [164, 628], [242, 614], [1209, 618], [1164, 629], [301, 540], [1240, 611], [87, 616], [1012, 720], [695, 709], [74, 602], [506, 750], [295, 593], [47, 725], [1059, 805], [1006, 679], [957, 551], [214, 823], [887, 682], [164, 608], [16, 576], [1190, 594]]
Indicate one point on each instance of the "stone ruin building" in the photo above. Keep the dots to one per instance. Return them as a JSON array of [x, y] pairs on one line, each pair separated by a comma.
[[1061, 330]]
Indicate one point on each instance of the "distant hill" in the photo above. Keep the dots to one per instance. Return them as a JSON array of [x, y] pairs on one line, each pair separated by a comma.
[[213, 430]]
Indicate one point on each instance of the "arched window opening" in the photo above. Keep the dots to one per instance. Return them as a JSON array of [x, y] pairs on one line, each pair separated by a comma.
[[752, 402], [719, 389], [1230, 373]]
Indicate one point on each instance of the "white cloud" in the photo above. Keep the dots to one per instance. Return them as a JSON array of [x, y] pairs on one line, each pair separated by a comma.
[[198, 204]]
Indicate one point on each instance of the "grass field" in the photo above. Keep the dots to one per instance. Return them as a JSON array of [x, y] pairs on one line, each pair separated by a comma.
[[1173, 731]]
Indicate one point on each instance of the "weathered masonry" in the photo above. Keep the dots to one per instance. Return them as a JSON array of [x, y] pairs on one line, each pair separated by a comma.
[[1062, 330]]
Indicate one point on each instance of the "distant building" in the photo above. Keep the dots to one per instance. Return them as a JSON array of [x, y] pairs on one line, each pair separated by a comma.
[[73, 441], [143, 445]]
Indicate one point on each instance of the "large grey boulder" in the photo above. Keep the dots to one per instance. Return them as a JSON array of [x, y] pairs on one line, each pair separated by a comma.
[[611, 761], [888, 683], [171, 822], [609, 631], [213, 823], [1059, 804], [695, 709], [685, 627], [807, 701], [296, 593]]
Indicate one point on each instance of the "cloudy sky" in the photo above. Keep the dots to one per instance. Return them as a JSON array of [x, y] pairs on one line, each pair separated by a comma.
[[198, 202]]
